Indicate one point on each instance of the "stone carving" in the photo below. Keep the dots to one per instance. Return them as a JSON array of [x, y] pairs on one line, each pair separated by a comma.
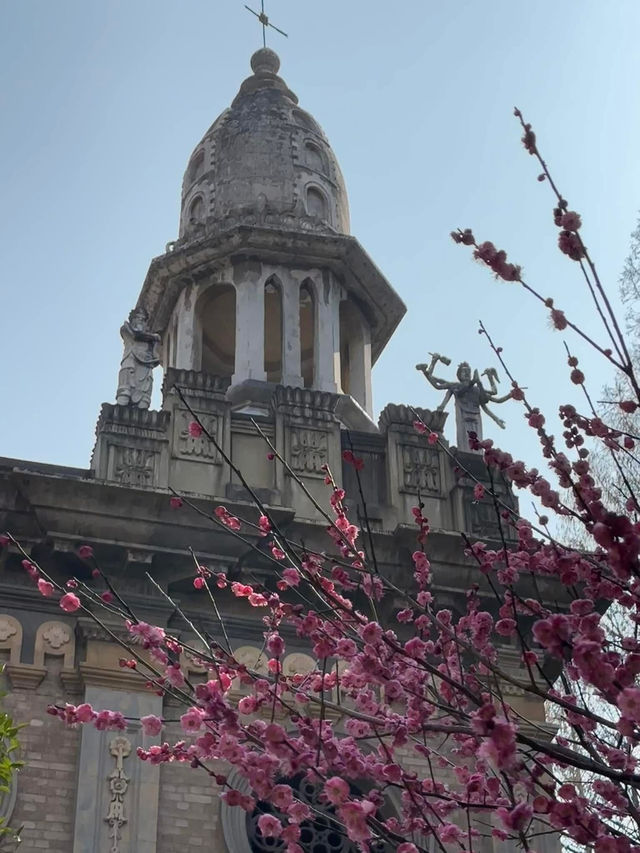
[[135, 379], [56, 635], [470, 394], [57, 639], [420, 469], [8, 628], [120, 748], [251, 657], [134, 466], [298, 664], [11, 637], [196, 448], [308, 450]]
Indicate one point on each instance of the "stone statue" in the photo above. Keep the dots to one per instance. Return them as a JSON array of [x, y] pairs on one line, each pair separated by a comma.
[[135, 379], [470, 394]]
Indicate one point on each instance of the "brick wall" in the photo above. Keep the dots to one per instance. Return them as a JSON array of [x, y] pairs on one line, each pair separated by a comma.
[[45, 804]]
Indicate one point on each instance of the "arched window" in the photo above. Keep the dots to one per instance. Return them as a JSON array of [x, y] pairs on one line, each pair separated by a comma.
[[307, 333], [273, 329], [196, 167], [313, 158], [322, 834], [196, 210], [217, 316], [316, 203]]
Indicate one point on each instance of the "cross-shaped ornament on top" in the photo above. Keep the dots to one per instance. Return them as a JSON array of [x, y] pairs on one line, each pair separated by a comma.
[[264, 20]]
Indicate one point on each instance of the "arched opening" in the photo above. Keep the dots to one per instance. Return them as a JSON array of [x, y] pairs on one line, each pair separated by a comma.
[[307, 333], [314, 158], [196, 211], [196, 167], [217, 316], [316, 203], [345, 372], [273, 329]]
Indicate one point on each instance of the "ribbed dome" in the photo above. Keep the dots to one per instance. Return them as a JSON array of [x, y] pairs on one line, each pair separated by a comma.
[[264, 161]]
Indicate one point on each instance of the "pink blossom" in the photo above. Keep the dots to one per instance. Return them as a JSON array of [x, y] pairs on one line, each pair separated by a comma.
[[151, 725], [291, 577], [571, 221], [85, 552], [175, 502], [629, 703], [269, 826], [192, 721], [336, 790], [84, 713], [264, 524], [69, 602], [275, 644], [195, 430], [478, 491], [45, 588]]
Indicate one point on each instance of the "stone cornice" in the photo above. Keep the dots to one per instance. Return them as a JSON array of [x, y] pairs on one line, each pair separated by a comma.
[[25, 676], [305, 404], [194, 383], [132, 419], [116, 679], [394, 415]]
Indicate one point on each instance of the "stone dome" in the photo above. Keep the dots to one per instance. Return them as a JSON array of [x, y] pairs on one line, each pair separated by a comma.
[[265, 162]]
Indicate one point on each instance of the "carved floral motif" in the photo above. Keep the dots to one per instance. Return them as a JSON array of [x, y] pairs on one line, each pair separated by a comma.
[[56, 635]]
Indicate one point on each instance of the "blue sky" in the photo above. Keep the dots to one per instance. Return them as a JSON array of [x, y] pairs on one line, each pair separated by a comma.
[[103, 102]]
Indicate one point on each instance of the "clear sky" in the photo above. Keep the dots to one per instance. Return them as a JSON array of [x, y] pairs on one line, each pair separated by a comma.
[[103, 101]]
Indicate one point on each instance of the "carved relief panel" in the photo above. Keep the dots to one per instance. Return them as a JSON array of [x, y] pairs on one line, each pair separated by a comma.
[[308, 450], [134, 466], [197, 449], [419, 469]]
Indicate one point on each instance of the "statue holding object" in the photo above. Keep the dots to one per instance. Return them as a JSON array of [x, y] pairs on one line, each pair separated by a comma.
[[135, 380], [470, 395]]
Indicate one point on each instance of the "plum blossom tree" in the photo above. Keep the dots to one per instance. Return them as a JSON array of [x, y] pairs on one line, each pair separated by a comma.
[[413, 731]]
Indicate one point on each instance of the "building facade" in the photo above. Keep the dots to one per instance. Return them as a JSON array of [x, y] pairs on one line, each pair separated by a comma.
[[267, 317]]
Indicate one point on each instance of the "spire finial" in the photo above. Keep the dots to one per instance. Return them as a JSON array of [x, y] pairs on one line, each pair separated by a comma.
[[264, 20]]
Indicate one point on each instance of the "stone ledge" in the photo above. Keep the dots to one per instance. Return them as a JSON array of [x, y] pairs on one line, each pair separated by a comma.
[[25, 675]]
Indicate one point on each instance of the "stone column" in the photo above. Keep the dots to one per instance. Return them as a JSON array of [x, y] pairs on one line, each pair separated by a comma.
[[249, 331], [291, 330], [187, 345], [360, 369], [327, 337]]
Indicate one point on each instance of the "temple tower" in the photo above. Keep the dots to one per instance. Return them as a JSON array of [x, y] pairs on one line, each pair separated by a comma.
[[264, 285]]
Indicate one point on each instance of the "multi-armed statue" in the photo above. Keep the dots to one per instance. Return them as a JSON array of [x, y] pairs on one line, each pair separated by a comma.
[[470, 394]]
